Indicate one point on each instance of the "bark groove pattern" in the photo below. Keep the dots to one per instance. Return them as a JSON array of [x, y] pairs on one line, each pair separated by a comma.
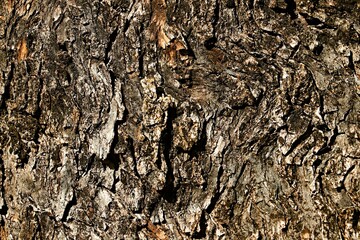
[[167, 119]]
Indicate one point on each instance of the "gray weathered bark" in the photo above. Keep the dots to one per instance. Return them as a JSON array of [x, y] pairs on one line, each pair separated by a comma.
[[215, 119]]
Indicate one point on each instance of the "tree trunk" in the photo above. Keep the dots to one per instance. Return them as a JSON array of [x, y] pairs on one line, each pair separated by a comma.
[[156, 119]]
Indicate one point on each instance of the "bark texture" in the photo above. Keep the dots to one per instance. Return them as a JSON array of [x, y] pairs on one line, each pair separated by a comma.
[[167, 119]]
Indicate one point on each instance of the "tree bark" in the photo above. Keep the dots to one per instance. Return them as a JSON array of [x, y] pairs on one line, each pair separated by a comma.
[[156, 119]]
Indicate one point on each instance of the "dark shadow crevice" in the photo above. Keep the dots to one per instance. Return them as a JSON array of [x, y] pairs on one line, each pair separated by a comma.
[[112, 39], [169, 192], [6, 95], [113, 158], [4, 209], [203, 225], [300, 139], [313, 21], [215, 199], [69, 205]]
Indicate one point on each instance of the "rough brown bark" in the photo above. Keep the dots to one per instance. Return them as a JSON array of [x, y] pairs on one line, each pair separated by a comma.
[[154, 119]]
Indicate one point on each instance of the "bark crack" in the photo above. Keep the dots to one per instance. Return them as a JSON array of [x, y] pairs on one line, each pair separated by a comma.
[[300, 139], [112, 39], [202, 225], [68, 206], [4, 208], [218, 191], [342, 183], [130, 145], [6, 95], [169, 192], [313, 21]]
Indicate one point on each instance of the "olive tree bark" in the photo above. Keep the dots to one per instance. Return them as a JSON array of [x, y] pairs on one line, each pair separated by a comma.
[[166, 119]]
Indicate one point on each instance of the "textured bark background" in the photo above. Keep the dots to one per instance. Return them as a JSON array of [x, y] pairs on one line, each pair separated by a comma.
[[167, 119]]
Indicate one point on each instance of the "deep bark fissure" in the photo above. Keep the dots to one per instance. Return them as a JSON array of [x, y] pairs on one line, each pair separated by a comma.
[[112, 39], [68, 207], [202, 225], [291, 8], [355, 219], [300, 139], [113, 158], [4, 208], [6, 95], [342, 185], [215, 199], [169, 192], [141, 52], [313, 21]]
